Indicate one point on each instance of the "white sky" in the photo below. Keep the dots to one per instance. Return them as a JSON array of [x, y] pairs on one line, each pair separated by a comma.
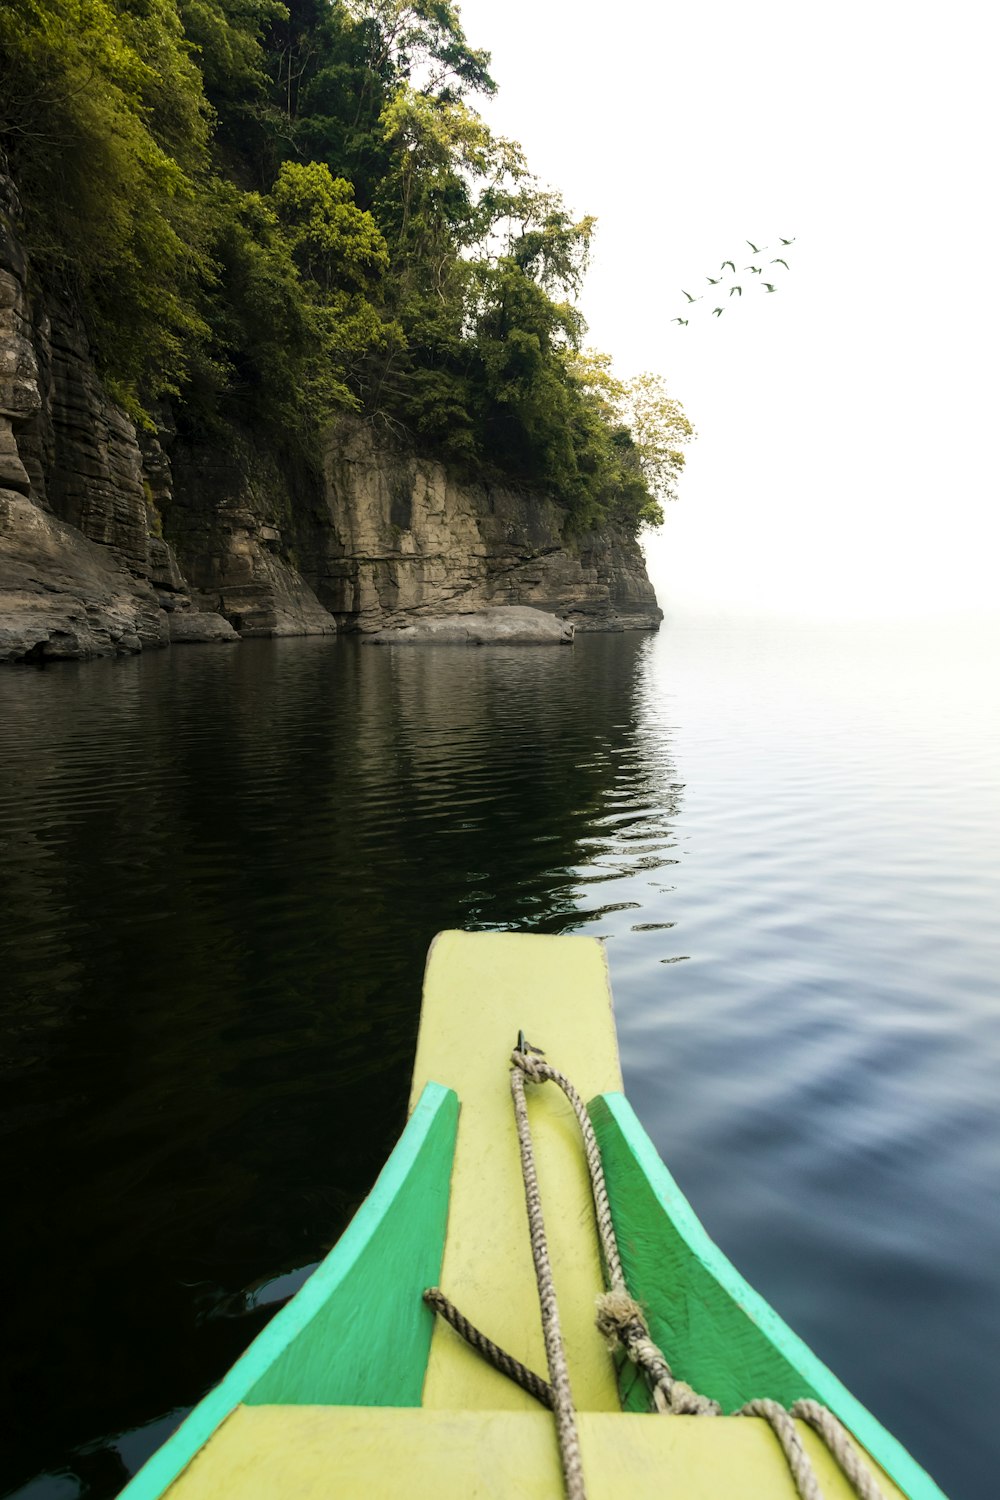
[[845, 462]]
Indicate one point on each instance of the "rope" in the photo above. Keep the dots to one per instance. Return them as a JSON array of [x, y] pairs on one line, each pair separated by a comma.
[[533, 1066], [838, 1441], [791, 1445], [619, 1318], [555, 1352], [499, 1358], [623, 1324]]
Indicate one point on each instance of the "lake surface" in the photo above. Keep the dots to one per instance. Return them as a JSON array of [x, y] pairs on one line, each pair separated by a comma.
[[220, 870]]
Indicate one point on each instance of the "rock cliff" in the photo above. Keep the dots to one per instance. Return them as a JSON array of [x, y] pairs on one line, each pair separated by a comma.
[[112, 541], [400, 537]]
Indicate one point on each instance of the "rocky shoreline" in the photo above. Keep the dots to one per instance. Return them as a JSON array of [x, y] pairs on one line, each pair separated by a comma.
[[506, 625], [114, 541]]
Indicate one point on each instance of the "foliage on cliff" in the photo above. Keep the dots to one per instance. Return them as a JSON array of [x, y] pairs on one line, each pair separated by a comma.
[[273, 212]]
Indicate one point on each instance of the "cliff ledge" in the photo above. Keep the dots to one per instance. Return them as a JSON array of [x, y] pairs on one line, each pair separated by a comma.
[[113, 541]]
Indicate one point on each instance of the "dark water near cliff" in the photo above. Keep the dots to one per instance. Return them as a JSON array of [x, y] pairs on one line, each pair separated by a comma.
[[220, 870]]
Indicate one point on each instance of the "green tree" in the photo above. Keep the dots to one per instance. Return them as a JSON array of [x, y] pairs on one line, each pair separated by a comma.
[[649, 425], [272, 210], [291, 315], [227, 41], [336, 245], [105, 123]]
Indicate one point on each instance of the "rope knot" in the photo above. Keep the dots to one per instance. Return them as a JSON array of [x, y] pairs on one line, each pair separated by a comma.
[[623, 1323], [620, 1319], [532, 1066]]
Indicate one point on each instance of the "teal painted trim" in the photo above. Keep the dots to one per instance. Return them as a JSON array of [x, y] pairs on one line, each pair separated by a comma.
[[717, 1332], [348, 1337]]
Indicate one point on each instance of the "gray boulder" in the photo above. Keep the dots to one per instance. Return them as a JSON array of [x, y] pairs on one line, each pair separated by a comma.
[[507, 625], [191, 625], [63, 597]]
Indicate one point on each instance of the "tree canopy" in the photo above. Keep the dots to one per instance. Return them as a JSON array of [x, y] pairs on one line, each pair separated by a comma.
[[277, 210]]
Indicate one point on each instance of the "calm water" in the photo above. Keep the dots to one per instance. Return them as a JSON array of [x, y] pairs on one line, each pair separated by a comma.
[[220, 869]]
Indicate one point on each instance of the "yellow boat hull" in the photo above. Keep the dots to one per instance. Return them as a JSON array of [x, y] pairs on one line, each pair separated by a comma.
[[354, 1389]]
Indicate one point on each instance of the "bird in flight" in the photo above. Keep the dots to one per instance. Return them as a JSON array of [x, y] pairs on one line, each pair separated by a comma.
[[732, 288]]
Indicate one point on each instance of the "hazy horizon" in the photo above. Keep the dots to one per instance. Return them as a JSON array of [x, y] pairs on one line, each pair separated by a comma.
[[844, 461]]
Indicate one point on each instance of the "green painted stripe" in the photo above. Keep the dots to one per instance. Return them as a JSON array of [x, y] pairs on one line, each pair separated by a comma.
[[717, 1332], [357, 1333]]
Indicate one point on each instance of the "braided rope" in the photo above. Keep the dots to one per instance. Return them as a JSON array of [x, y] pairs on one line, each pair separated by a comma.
[[555, 1352], [484, 1345], [623, 1323], [619, 1318], [533, 1066], [838, 1441], [796, 1456]]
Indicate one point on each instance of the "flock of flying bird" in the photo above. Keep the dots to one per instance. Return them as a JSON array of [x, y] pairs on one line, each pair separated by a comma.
[[736, 288]]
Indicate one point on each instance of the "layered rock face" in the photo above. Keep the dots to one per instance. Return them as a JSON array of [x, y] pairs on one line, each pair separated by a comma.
[[502, 625], [112, 542], [62, 597], [83, 588], [404, 539], [233, 514], [85, 566]]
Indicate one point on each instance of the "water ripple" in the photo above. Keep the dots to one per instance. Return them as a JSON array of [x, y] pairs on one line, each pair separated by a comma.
[[219, 876]]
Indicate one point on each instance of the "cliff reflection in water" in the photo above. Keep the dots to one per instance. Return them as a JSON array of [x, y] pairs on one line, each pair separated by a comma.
[[221, 870]]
